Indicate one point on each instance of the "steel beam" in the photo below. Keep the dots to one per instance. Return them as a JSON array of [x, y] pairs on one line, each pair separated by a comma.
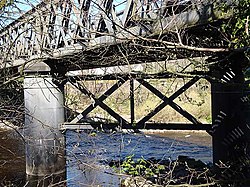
[[143, 123], [101, 99], [167, 101], [147, 126], [230, 119], [139, 75], [98, 102], [132, 102]]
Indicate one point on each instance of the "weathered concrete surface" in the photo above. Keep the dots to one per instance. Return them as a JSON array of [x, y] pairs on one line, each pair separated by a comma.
[[45, 145]]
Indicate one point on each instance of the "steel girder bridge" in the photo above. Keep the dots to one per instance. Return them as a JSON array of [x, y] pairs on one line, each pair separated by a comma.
[[56, 37]]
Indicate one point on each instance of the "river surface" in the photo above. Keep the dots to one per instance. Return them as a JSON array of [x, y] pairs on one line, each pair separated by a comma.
[[88, 154]]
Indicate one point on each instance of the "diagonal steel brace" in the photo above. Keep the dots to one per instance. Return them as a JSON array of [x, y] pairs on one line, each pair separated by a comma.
[[168, 101], [99, 101]]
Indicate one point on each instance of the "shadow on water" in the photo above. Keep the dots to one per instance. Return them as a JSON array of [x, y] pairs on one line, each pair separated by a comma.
[[88, 156], [58, 180], [12, 159], [12, 164]]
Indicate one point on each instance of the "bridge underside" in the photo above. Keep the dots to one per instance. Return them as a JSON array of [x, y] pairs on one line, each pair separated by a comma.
[[141, 51], [157, 48], [138, 51]]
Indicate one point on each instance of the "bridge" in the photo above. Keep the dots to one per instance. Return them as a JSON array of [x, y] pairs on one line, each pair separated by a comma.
[[57, 37]]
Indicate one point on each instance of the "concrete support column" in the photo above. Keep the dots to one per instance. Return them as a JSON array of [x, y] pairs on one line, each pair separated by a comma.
[[44, 112]]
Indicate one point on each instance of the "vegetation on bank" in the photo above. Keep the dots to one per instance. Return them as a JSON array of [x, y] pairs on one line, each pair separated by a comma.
[[4, 3], [184, 170]]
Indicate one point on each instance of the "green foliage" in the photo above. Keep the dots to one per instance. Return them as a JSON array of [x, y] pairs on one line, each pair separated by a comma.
[[141, 167], [4, 3], [237, 28], [93, 134]]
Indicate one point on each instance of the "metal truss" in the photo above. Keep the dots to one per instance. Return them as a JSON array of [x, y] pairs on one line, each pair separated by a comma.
[[143, 123]]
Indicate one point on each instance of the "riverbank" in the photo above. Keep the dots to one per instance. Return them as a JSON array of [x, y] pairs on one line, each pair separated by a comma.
[[182, 172], [201, 138]]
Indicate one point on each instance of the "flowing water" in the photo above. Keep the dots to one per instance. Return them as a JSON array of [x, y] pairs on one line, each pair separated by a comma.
[[88, 154]]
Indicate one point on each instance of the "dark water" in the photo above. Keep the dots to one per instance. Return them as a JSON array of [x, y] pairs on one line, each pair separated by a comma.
[[89, 154], [12, 159]]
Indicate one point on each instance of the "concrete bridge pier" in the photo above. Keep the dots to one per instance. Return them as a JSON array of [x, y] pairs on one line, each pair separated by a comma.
[[44, 112]]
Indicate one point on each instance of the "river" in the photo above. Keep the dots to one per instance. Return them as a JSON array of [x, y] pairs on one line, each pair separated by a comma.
[[88, 154]]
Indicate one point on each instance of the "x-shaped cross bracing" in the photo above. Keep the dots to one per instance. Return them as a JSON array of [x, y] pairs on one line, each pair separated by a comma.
[[142, 122]]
